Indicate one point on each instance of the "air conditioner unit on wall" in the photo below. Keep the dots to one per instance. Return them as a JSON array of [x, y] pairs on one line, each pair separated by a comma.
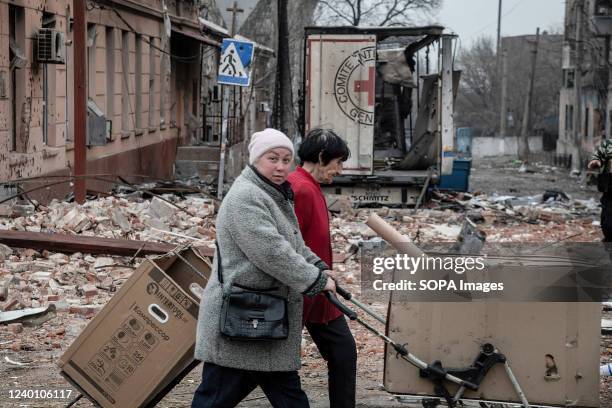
[[51, 47]]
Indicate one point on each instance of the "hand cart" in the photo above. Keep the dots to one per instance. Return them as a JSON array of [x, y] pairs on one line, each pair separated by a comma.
[[467, 378]]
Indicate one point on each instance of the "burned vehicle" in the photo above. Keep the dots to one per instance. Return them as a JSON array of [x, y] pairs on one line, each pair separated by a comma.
[[389, 91]]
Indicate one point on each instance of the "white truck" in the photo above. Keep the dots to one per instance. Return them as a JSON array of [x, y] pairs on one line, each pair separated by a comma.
[[389, 91]]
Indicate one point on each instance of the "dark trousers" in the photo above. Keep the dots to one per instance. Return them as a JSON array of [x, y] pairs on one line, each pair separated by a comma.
[[337, 345], [606, 216], [224, 387]]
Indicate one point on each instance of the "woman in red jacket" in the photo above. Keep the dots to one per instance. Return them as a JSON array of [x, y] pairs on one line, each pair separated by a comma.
[[322, 153]]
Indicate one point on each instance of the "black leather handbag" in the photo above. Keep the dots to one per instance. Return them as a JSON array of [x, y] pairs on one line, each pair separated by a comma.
[[252, 314]]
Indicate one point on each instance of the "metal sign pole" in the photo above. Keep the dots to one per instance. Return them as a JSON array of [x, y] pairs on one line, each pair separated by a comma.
[[234, 63], [225, 110], [224, 119]]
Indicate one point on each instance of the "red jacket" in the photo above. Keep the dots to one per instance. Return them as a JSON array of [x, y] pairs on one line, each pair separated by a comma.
[[311, 211]]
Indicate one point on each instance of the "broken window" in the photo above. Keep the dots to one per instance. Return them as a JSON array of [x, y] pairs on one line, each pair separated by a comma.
[[138, 81], [152, 81], [586, 122], [125, 74], [603, 7], [45, 107], [91, 61], [110, 74], [97, 125], [49, 20], [48, 72], [568, 78], [164, 72], [19, 112], [569, 117]]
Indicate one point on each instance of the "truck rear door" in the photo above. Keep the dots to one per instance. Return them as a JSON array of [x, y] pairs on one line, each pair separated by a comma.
[[340, 92]]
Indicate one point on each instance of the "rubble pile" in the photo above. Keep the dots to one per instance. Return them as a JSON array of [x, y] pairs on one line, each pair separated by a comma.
[[53, 295], [501, 218], [165, 218], [512, 218], [552, 205], [75, 287]]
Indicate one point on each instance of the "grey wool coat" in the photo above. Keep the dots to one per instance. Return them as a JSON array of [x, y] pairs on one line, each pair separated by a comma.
[[261, 247]]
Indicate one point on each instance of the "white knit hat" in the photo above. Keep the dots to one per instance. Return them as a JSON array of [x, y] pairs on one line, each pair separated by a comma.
[[265, 140]]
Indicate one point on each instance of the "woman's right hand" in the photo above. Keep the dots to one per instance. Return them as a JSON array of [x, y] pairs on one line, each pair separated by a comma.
[[593, 164], [330, 285]]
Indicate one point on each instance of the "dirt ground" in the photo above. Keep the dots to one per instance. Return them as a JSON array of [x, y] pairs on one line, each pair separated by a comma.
[[500, 176]]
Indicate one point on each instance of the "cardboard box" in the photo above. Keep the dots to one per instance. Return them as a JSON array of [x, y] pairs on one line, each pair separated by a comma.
[[552, 348], [525, 332], [130, 354]]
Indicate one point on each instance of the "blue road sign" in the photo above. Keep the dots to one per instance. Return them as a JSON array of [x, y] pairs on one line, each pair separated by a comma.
[[235, 62]]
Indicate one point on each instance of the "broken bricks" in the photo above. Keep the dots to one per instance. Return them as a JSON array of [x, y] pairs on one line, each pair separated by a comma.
[[161, 209], [89, 290], [5, 252], [12, 303], [86, 311], [76, 220], [120, 220]]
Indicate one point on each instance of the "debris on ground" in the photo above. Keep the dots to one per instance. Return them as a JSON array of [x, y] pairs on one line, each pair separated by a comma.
[[77, 285]]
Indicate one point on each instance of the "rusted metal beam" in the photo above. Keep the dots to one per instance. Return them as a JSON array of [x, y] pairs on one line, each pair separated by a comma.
[[88, 245]]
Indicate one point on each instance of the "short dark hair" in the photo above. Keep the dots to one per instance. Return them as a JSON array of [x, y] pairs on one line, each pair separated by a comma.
[[324, 143]]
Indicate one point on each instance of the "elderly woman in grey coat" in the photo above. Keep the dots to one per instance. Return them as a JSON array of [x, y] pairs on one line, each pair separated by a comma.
[[260, 246]]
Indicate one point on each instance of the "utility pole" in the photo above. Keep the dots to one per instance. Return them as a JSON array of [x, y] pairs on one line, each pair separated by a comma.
[[503, 116], [234, 10], [498, 44], [577, 117], [80, 101], [283, 112], [495, 84], [523, 142], [225, 109]]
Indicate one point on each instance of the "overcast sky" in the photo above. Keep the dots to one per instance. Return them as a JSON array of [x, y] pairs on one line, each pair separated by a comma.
[[473, 18]]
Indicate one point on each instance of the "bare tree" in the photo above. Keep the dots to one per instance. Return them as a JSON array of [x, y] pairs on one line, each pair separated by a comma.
[[374, 12], [478, 99]]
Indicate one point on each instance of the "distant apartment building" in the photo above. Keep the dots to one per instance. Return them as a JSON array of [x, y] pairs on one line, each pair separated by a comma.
[[585, 103]]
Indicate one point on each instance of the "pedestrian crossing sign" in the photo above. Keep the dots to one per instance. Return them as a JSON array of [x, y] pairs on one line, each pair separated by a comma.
[[235, 62]]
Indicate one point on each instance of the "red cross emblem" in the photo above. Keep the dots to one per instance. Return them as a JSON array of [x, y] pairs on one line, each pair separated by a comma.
[[367, 86]]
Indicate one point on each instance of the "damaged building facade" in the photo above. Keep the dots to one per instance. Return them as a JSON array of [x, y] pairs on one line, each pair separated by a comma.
[[585, 102], [143, 70]]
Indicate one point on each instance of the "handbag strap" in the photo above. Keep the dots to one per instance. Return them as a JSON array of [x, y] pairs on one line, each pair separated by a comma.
[[219, 273]]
